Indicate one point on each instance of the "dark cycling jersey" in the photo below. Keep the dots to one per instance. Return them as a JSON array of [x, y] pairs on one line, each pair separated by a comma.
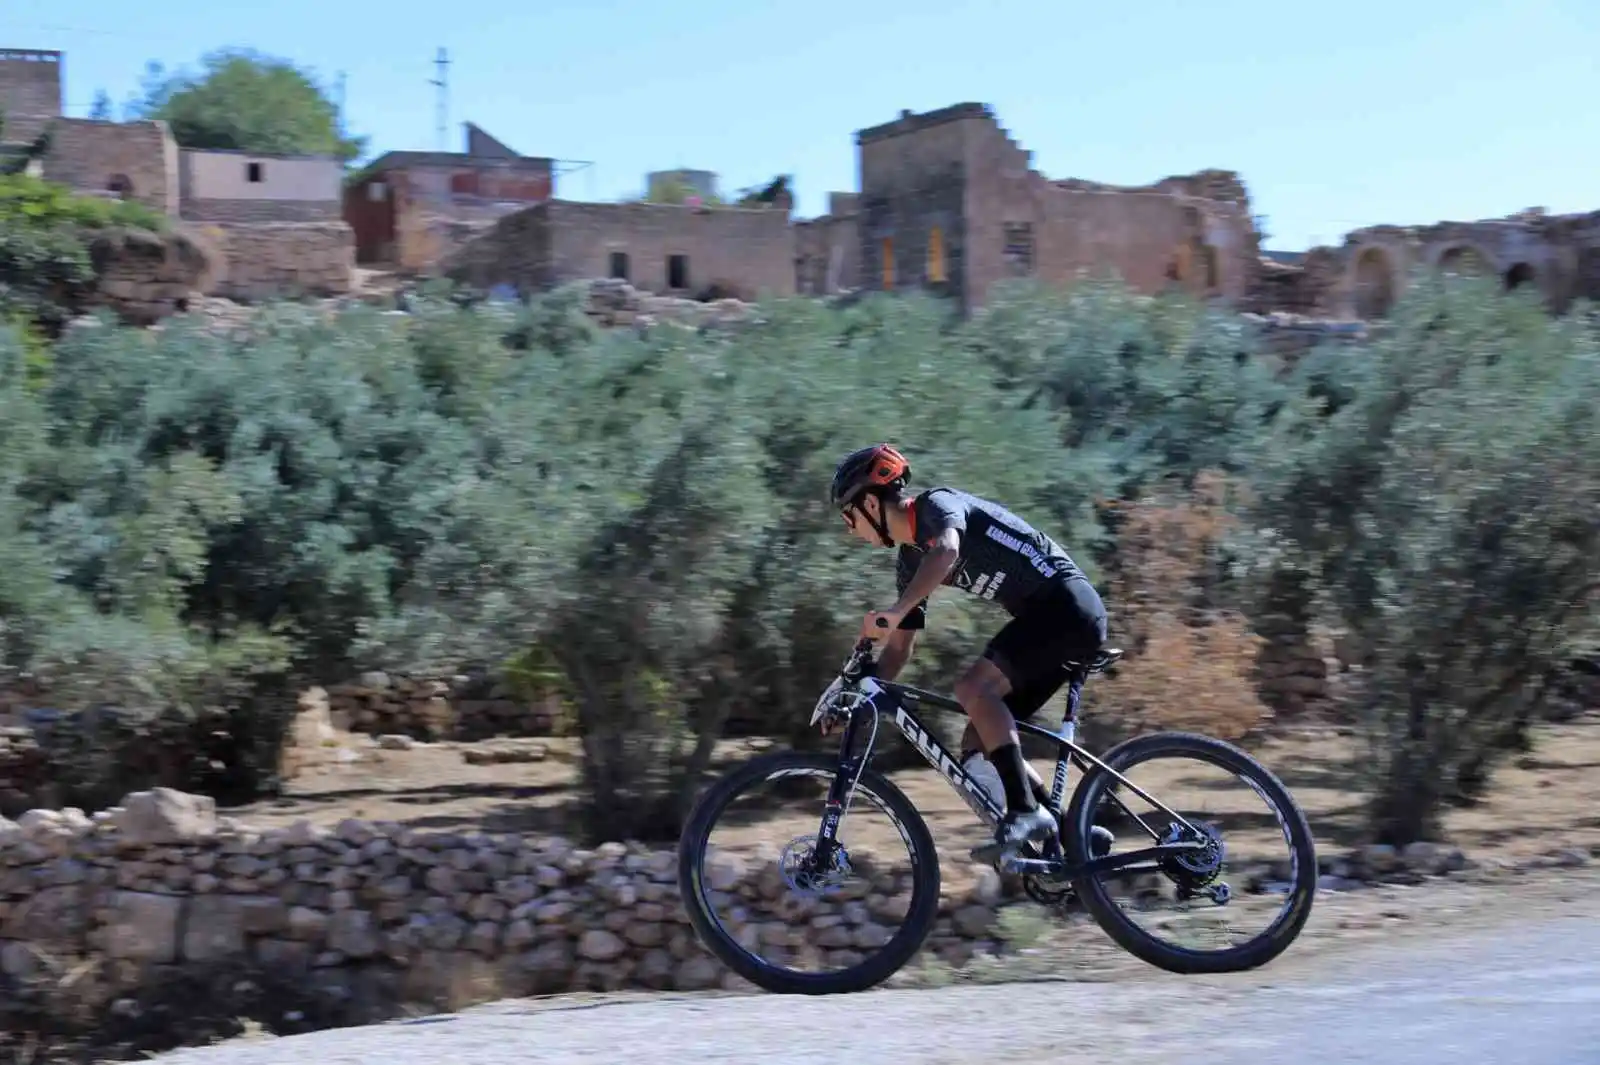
[[1002, 557]]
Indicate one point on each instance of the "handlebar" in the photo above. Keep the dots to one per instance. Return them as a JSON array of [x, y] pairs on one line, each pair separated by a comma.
[[860, 662]]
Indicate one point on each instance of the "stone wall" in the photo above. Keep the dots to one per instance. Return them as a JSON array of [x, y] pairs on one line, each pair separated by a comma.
[[951, 202], [748, 250], [137, 159], [1556, 255], [414, 209], [30, 81], [255, 211], [140, 892], [145, 277], [282, 259], [428, 708], [827, 254], [162, 881]]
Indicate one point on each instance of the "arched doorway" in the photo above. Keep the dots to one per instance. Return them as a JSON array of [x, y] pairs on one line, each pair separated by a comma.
[[1373, 287], [1196, 267], [1464, 261], [120, 186], [1520, 274], [1210, 269]]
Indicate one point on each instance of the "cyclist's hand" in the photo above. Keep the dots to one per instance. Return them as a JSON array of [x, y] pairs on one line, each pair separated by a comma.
[[879, 624]]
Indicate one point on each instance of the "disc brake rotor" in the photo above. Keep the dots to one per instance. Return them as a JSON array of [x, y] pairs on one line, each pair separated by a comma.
[[799, 867]]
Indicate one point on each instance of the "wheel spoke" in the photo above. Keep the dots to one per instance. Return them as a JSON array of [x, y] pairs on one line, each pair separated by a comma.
[[782, 918], [1194, 910]]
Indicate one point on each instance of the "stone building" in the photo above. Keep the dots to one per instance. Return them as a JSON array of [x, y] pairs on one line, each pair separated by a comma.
[[949, 202], [130, 160], [30, 81], [1558, 255], [410, 209], [666, 249], [273, 221], [227, 186]]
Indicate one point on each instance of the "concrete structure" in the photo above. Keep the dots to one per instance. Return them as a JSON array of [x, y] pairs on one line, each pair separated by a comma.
[[408, 209], [226, 186]]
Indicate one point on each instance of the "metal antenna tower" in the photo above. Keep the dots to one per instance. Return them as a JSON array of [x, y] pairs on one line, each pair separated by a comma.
[[442, 83]]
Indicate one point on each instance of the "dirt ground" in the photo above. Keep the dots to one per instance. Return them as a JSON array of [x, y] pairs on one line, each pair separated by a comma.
[[1547, 800]]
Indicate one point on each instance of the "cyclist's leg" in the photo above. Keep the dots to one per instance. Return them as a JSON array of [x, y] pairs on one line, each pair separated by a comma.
[[1023, 702], [982, 692], [1028, 654]]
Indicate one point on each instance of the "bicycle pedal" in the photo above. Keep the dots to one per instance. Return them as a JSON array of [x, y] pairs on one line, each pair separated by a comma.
[[996, 854]]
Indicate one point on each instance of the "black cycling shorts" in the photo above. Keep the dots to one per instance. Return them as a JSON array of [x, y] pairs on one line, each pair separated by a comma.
[[1063, 624]]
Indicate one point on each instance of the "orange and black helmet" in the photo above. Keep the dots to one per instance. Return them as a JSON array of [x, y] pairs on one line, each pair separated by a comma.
[[878, 466]]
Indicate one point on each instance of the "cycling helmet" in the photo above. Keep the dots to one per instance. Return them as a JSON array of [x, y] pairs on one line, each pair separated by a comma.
[[869, 469]]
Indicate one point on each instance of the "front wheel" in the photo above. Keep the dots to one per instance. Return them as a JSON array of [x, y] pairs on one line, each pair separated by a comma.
[[1221, 830], [782, 912]]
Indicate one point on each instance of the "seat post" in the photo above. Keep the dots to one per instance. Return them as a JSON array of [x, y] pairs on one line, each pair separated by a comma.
[[1069, 733], [1069, 717]]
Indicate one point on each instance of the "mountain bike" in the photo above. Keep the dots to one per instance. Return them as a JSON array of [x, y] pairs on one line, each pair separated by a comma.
[[1185, 855]]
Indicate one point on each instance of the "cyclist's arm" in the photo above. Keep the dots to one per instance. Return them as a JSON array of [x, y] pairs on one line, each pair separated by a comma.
[[896, 653], [938, 560]]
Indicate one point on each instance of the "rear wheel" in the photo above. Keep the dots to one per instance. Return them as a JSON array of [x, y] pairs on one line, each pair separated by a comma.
[[784, 911], [1194, 878]]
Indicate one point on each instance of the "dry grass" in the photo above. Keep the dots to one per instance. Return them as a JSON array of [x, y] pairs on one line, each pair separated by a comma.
[[1191, 664], [1547, 799]]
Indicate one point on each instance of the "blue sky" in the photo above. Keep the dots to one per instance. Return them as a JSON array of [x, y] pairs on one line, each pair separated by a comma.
[[1338, 115]]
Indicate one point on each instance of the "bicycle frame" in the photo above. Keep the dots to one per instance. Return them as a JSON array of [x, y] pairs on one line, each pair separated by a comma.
[[895, 701]]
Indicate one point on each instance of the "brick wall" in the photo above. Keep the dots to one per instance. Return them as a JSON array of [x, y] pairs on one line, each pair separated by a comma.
[[282, 259], [102, 155], [261, 210]]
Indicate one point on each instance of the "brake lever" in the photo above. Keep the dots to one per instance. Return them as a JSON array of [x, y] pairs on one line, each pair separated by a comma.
[[861, 664]]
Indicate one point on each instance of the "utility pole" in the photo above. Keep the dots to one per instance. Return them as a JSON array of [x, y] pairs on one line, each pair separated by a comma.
[[442, 83]]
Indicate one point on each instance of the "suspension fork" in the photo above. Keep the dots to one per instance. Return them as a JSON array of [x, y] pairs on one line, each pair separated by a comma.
[[843, 776]]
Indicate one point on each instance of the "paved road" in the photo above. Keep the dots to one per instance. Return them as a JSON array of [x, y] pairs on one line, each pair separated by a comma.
[[1527, 993]]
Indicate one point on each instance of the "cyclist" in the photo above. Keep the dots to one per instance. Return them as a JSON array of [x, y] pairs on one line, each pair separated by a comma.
[[949, 537]]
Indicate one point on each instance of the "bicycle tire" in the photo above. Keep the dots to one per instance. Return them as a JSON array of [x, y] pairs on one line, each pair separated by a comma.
[[873, 970], [1132, 938]]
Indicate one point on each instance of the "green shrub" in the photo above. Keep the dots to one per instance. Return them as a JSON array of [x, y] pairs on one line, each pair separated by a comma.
[[1444, 504], [47, 273], [636, 525], [32, 202]]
